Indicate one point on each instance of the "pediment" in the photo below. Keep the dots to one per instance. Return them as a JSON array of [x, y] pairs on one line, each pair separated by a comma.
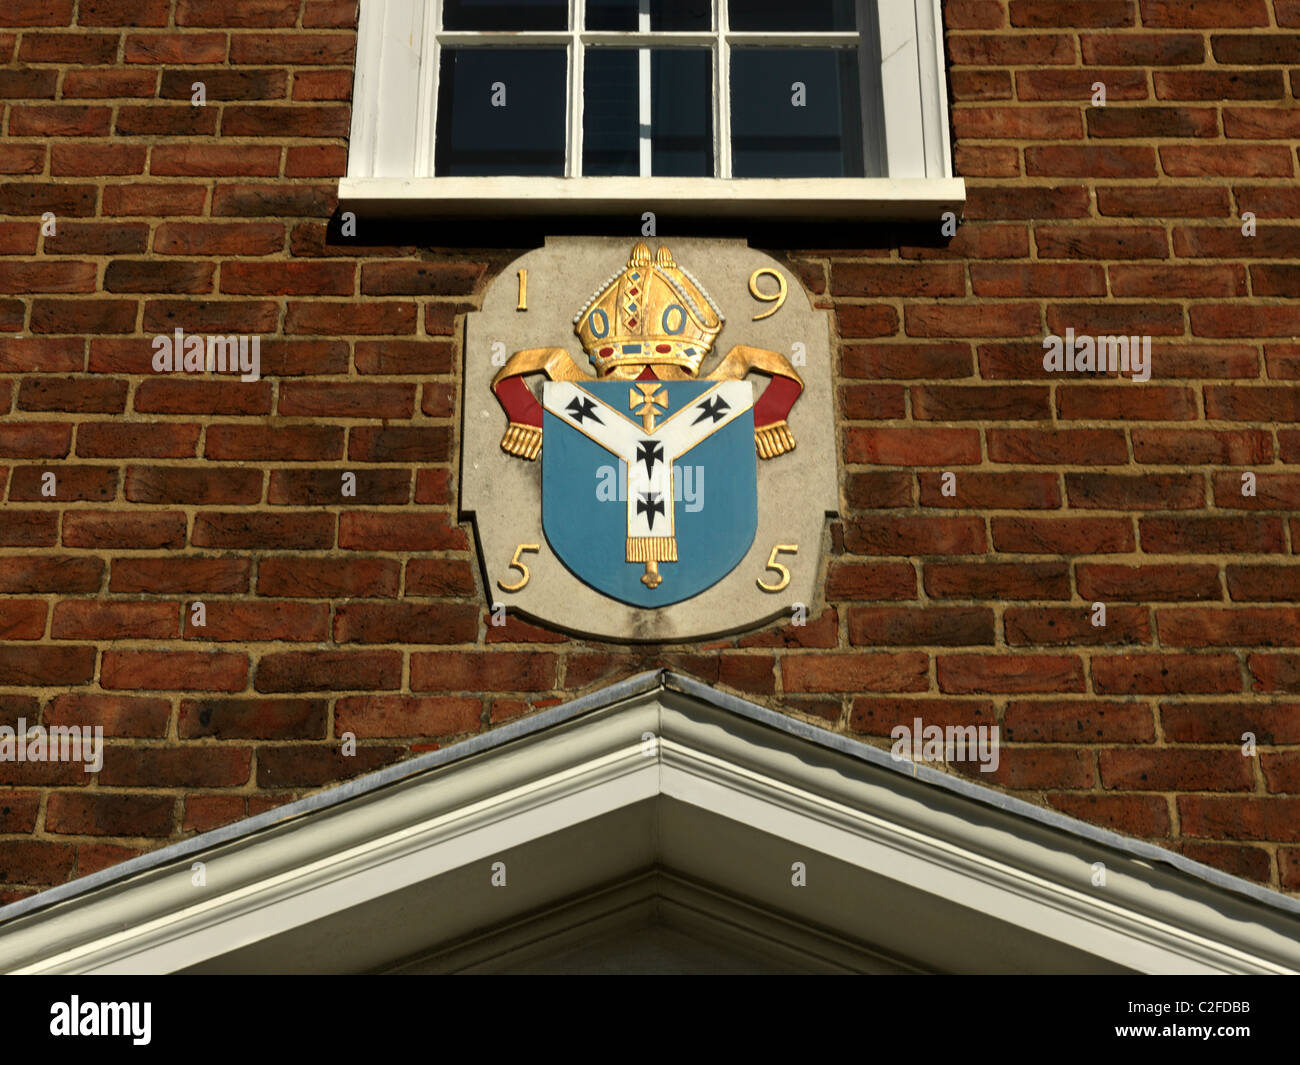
[[656, 826]]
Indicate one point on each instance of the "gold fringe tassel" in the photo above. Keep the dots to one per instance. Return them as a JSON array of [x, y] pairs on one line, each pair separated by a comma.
[[652, 549], [772, 440], [524, 441]]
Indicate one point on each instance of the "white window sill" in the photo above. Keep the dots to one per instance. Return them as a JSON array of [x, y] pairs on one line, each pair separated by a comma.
[[859, 199]]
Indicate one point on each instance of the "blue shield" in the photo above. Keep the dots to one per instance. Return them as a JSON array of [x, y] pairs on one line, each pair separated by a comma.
[[714, 495]]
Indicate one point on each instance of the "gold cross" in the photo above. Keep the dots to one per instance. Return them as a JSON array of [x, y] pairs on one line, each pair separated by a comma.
[[651, 396]]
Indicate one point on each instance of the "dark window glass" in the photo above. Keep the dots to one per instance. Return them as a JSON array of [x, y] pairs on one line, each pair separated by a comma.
[[505, 15], [664, 14], [477, 136], [777, 15], [778, 130], [681, 112], [610, 109]]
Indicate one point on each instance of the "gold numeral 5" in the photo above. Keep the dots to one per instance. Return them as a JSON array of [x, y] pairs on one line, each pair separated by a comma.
[[517, 563], [773, 564]]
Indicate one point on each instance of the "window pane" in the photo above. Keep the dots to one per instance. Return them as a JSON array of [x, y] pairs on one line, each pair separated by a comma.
[[795, 113], [664, 14], [610, 108], [505, 14], [819, 15], [501, 111], [681, 113]]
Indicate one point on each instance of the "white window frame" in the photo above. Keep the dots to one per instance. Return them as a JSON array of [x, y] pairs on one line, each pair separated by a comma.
[[391, 151]]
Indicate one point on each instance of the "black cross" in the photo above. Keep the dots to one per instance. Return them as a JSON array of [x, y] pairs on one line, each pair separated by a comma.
[[583, 408], [650, 504], [712, 408], [649, 452]]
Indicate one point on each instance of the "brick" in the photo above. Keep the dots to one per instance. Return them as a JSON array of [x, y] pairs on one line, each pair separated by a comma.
[[1009, 280], [439, 577], [1235, 627], [1017, 123], [173, 671], [247, 200], [980, 403], [137, 439], [406, 623], [902, 672], [1148, 583], [49, 573], [1142, 50], [22, 619], [65, 201], [1133, 122], [317, 487], [154, 199], [1240, 817], [1201, 722], [431, 531], [959, 320], [912, 447], [1255, 49], [915, 536], [191, 767], [1077, 721], [264, 531], [420, 278], [83, 316], [472, 672], [108, 83], [1135, 815], [1130, 402], [1274, 673], [1263, 583], [997, 580], [1162, 674], [245, 15], [370, 717], [74, 394], [31, 861], [278, 443], [1190, 281], [307, 671], [132, 531], [1150, 491], [346, 400], [1092, 160], [1053, 447], [400, 444], [299, 49], [109, 814], [1219, 84], [306, 278], [209, 160], [1212, 535], [242, 622], [1054, 536], [1050, 83], [390, 357], [983, 674], [221, 83], [1229, 160], [172, 576], [1162, 201], [1101, 242], [1204, 14], [921, 626], [330, 578], [1071, 626], [203, 396], [314, 766], [127, 275], [997, 491], [349, 319], [1064, 13]]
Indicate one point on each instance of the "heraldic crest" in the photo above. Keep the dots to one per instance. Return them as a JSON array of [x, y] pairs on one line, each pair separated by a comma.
[[648, 414]]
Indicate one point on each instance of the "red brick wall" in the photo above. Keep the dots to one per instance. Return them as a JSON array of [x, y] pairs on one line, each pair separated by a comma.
[[368, 617]]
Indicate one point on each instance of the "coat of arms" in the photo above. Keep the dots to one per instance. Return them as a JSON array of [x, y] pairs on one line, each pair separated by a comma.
[[646, 470]]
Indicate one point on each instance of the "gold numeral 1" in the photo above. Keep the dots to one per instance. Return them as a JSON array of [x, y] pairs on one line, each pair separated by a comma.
[[773, 564], [523, 291], [517, 563]]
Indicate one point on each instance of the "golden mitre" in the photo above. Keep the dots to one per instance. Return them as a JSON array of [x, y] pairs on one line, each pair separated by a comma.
[[651, 313]]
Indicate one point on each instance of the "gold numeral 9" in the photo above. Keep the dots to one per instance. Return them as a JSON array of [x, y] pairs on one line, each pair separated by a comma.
[[777, 297]]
